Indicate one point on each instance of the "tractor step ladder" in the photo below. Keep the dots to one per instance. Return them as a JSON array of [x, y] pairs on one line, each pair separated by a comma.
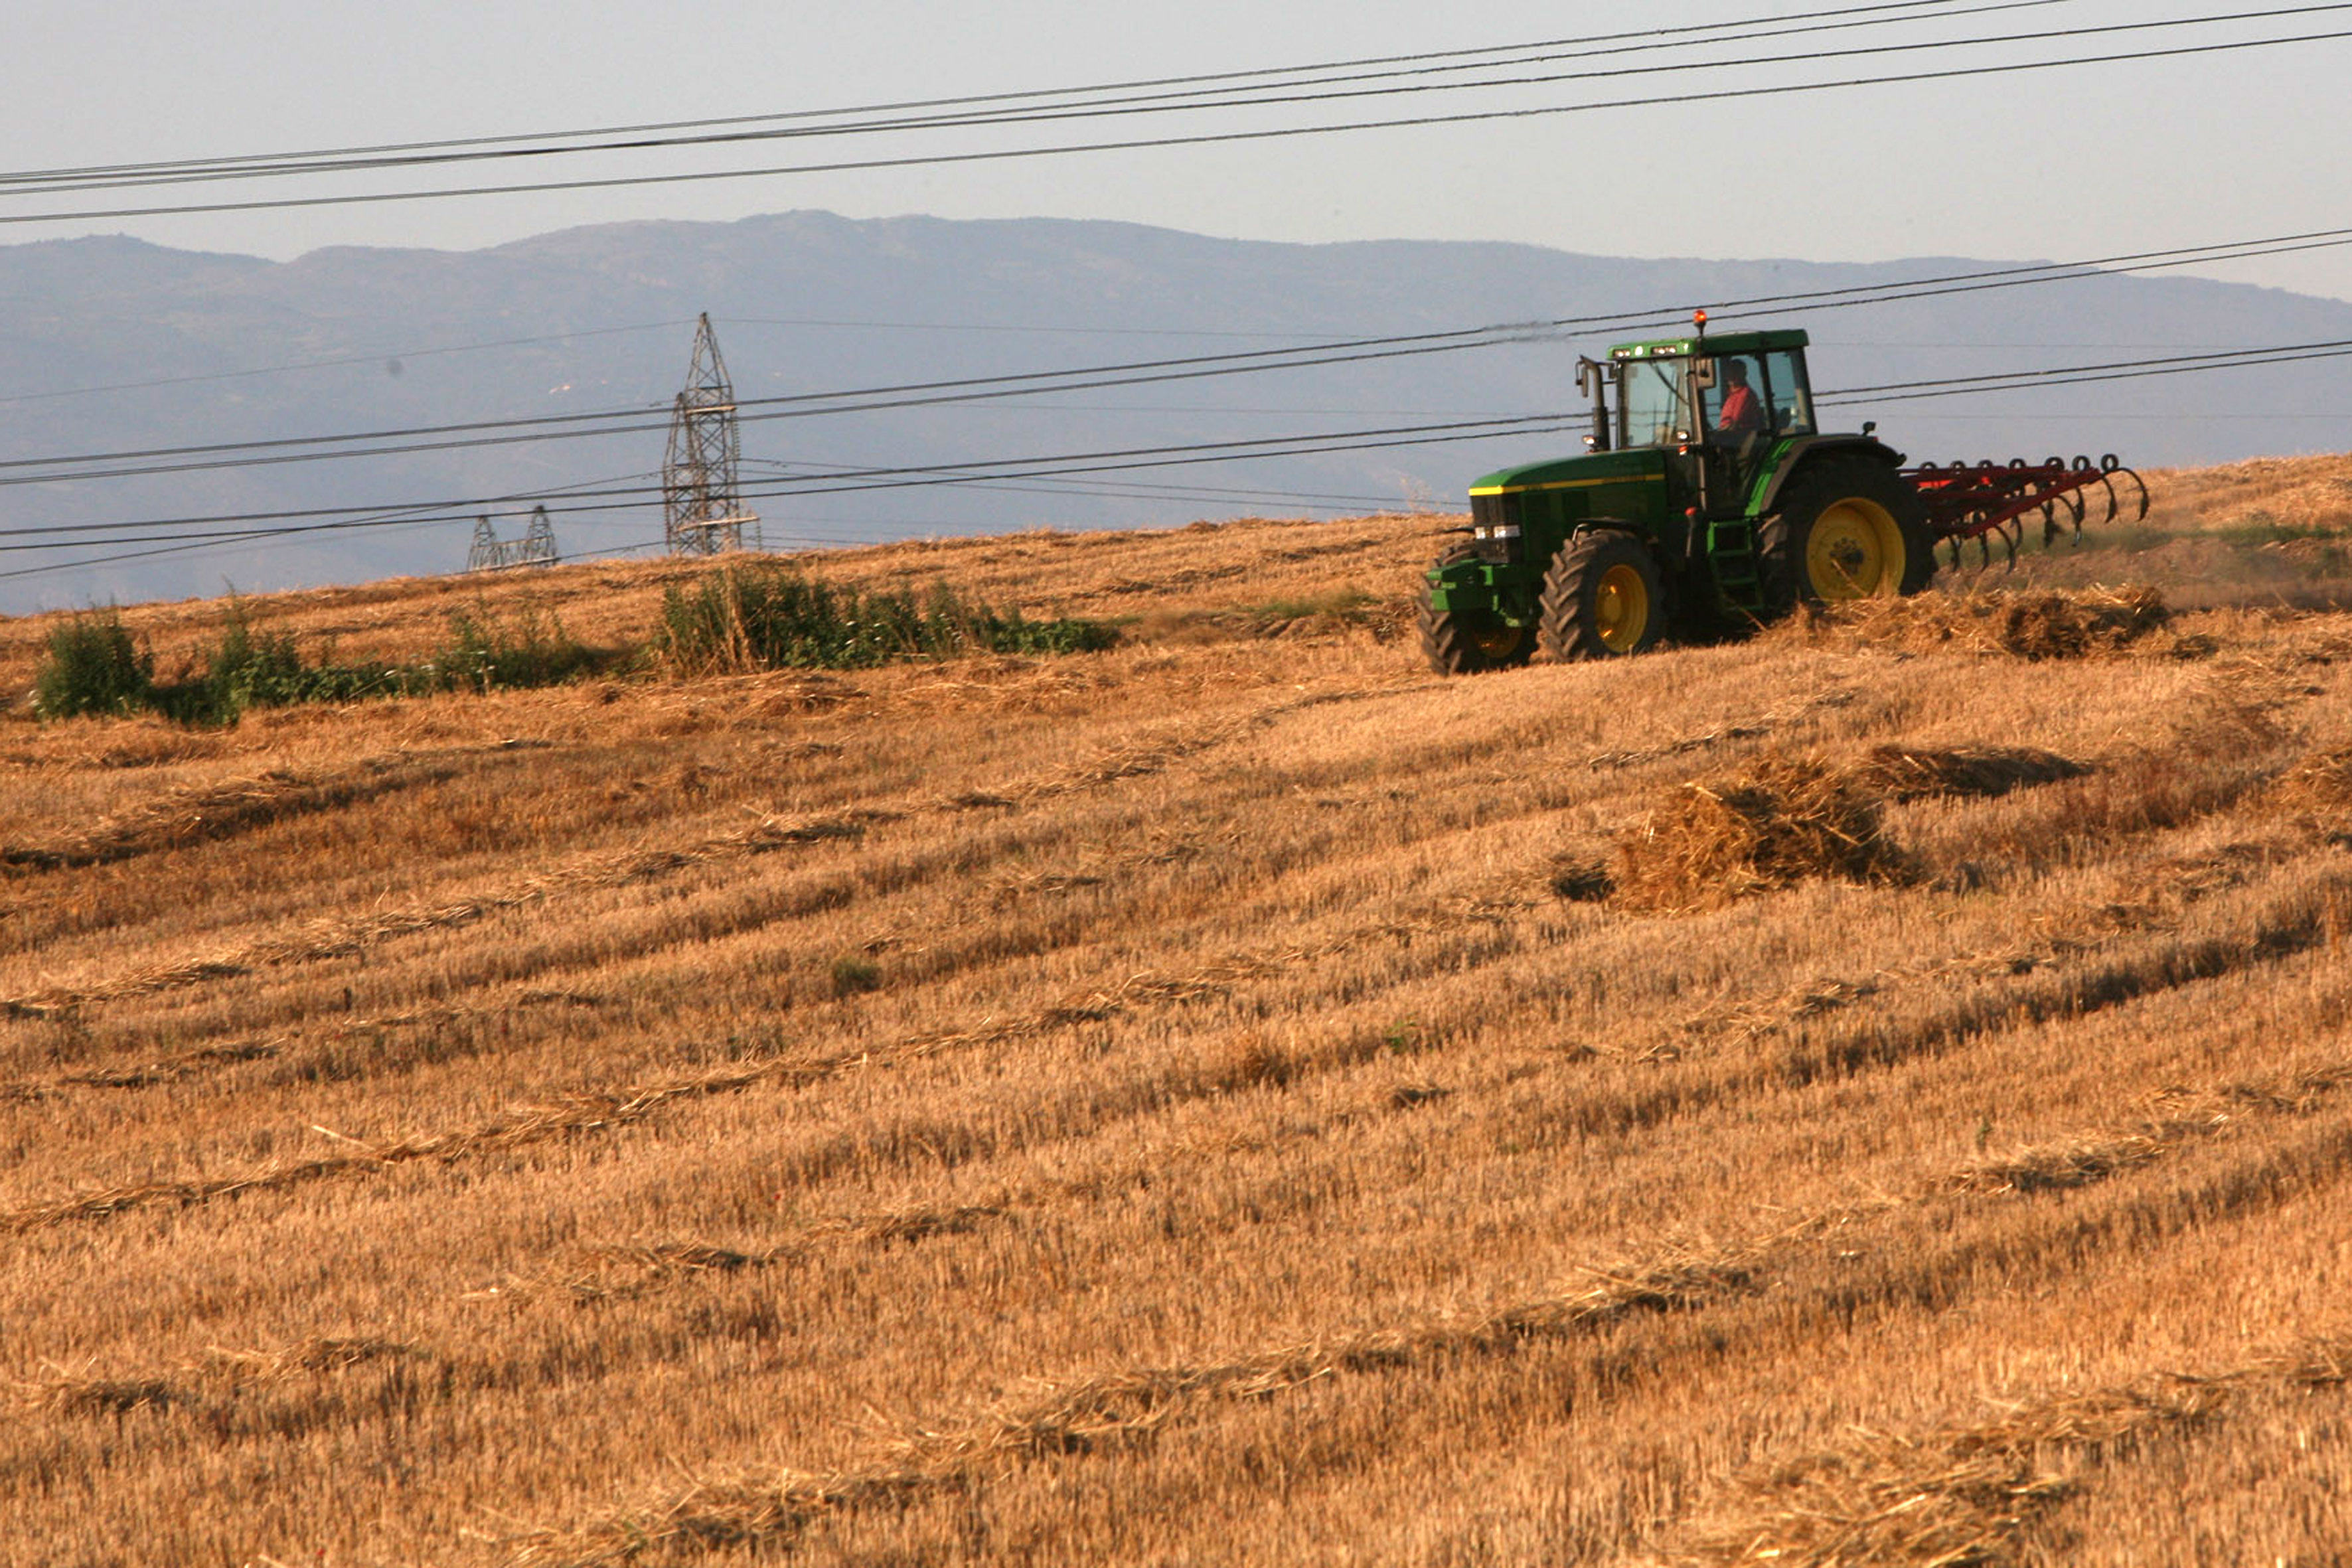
[[1731, 556]]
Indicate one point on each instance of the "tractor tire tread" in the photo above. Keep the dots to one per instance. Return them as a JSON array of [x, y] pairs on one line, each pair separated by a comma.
[[1569, 630]]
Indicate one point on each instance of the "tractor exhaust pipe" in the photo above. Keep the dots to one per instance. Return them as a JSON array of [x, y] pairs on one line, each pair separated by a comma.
[[1592, 382]]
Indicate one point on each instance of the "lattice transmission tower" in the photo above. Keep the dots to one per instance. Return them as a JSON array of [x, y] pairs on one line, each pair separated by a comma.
[[535, 548], [702, 507]]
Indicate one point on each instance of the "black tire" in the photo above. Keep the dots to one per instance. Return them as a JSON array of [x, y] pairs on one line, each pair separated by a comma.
[[1846, 528], [1603, 597], [1469, 642]]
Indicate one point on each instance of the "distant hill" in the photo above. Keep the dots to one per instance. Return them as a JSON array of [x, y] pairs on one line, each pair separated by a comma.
[[809, 301]]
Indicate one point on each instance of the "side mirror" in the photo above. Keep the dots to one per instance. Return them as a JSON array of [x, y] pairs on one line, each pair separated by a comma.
[[1702, 373]]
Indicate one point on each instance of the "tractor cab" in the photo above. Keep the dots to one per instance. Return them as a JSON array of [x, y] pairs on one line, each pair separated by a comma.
[[1719, 404]]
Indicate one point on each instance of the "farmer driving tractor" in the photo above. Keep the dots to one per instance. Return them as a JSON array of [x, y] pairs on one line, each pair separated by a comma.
[[1743, 411]]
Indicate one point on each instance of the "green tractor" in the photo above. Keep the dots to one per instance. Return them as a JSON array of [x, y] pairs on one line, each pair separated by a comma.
[[1708, 501]]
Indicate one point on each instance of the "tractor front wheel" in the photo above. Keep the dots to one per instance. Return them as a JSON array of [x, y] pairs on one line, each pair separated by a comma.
[[1846, 529], [1467, 642], [1603, 597]]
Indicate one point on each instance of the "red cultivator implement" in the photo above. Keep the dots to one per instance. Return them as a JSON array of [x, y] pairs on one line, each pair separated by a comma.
[[1985, 502]]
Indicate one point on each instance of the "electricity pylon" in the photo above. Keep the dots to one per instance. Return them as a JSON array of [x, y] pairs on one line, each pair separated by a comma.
[[702, 509], [535, 548]]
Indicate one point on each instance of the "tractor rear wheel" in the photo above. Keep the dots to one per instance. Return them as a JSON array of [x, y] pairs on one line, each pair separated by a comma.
[[1847, 528], [1466, 642], [1602, 597]]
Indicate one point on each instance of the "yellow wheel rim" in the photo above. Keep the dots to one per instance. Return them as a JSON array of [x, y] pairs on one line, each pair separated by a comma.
[[1620, 609], [1494, 639], [1854, 550]]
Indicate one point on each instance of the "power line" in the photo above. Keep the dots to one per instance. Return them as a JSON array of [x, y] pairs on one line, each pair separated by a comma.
[[1476, 57], [864, 478], [408, 515], [1168, 491], [1304, 339], [1159, 103], [2080, 375], [1199, 139], [377, 358]]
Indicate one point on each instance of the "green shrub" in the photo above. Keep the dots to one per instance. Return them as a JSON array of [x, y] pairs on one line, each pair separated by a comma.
[[248, 669], [92, 667], [484, 653], [757, 617], [853, 975], [243, 671]]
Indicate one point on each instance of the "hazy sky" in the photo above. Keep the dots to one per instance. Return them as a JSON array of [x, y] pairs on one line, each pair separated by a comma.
[[2079, 162]]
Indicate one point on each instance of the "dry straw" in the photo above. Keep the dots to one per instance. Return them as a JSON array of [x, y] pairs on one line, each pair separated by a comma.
[[1969, 1494], [630, 1270], [232, 806], [2043, 623], [1787, 819], [1092, 1412], [219, 1372], [598, 1110], [1949, 1494], [1912, 772], [340, 937], [2318, 788]]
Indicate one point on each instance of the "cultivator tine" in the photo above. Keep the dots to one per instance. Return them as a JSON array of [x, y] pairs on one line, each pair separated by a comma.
[[2114, 501], [1977, 501], [2109, 467]]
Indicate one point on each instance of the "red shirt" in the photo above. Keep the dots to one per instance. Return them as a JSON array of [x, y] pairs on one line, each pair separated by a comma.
[[1741, 412]]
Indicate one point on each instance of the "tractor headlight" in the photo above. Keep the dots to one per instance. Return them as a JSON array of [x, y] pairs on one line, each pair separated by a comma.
[[1495, 528]]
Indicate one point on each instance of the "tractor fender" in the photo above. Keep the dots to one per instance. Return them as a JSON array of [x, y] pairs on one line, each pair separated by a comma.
[[1626, 526], [1668, 542], [1805, 448]]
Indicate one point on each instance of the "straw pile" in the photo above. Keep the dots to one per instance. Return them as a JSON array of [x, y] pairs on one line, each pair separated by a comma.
[[1788, 819], [2043, 623]]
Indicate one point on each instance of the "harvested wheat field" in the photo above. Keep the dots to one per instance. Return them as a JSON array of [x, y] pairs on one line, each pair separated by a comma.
[[1881, 1092]]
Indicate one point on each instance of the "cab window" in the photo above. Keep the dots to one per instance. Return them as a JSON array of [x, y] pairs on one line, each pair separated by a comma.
[[1788, 400], [1653, 402]]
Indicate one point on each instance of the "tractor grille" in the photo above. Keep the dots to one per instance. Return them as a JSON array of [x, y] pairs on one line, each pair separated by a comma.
[[1495, 529]]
